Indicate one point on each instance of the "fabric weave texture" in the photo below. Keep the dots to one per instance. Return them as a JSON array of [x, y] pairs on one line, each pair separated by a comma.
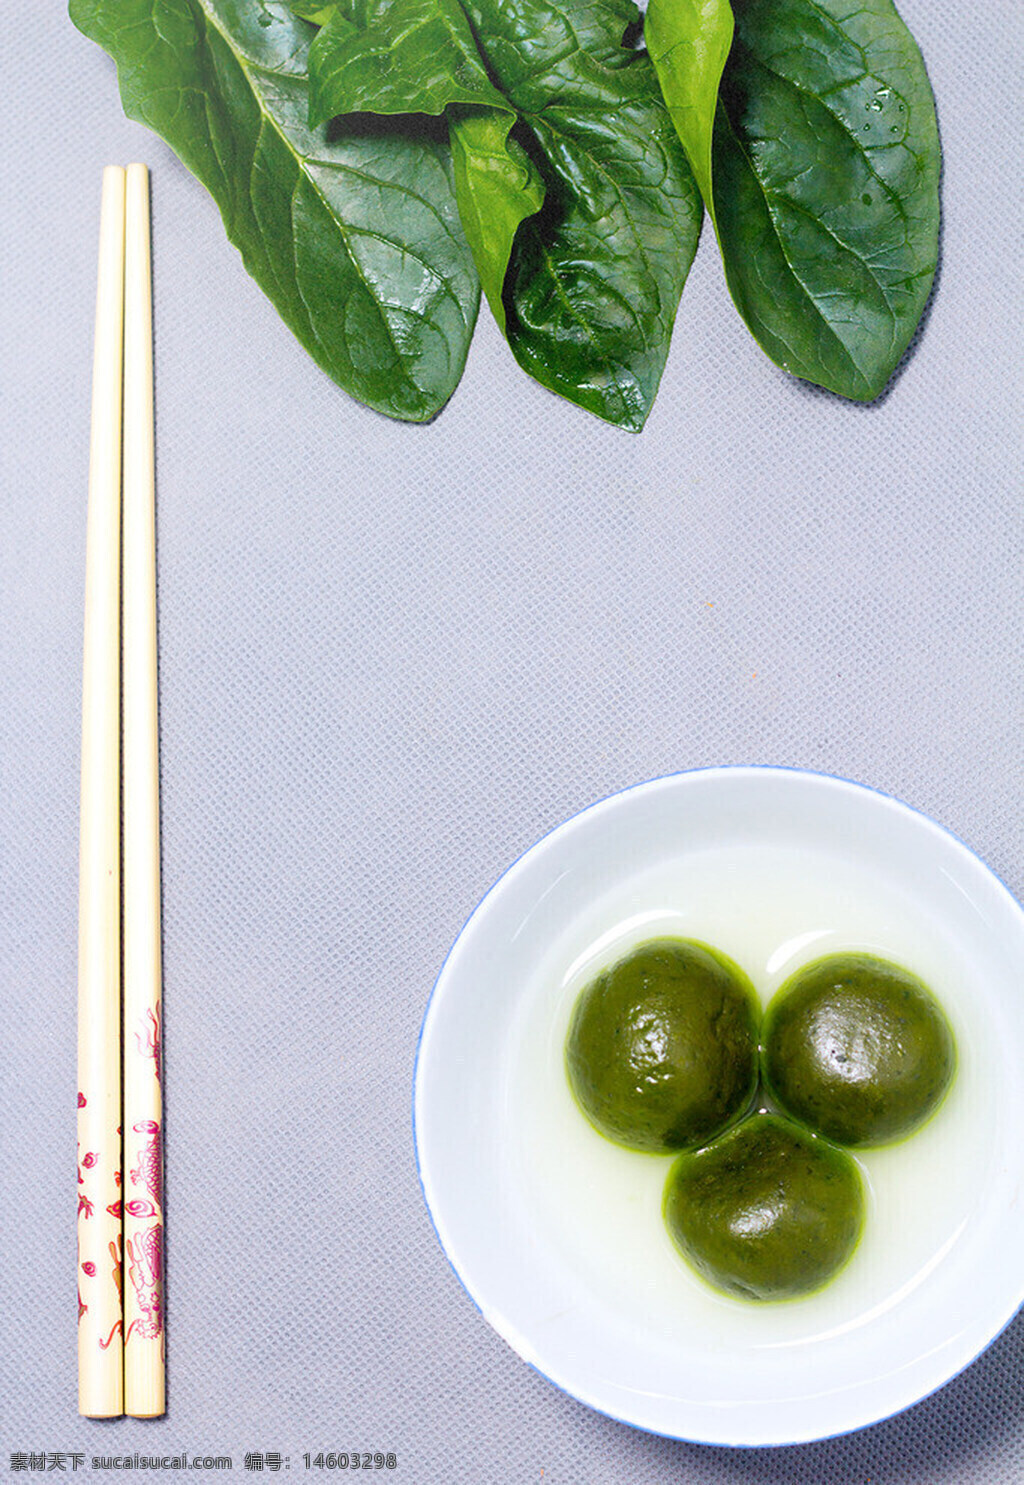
[[392, 657]]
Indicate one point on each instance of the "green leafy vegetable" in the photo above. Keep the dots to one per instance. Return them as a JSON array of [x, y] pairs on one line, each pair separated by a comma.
[[317, 11], [823, 183], [560, 179], [596, 275], [689, 43], [585, 286], [419, 56], [497, 187], [404, 56], [353, 231]]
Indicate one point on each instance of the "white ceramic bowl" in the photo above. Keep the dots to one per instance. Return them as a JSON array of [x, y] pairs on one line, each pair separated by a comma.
[[557, 1234]]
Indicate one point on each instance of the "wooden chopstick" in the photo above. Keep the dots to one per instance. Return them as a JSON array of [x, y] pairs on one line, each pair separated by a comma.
[[143, 1186], [100, 1349], [120, 1188]]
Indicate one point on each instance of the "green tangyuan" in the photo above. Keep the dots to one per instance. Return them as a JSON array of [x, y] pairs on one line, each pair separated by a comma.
[[766, 1212], [662, 1047], [858, 1049]]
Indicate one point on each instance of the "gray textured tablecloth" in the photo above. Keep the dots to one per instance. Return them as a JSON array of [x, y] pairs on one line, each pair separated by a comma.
[[392, 657]]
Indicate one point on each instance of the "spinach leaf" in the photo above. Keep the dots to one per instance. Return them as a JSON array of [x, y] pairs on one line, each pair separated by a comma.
[[419, 56], [353, 231], [497, 187], [824, 188], [404, 56], [586, 286], [317, 11], [595, 277], [688, 42]]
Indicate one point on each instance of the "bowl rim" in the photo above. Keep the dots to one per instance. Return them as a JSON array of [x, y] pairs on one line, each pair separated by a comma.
[[515, 866]]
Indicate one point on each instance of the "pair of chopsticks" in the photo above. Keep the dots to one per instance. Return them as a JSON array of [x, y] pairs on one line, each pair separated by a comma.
[[120, 1191]]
